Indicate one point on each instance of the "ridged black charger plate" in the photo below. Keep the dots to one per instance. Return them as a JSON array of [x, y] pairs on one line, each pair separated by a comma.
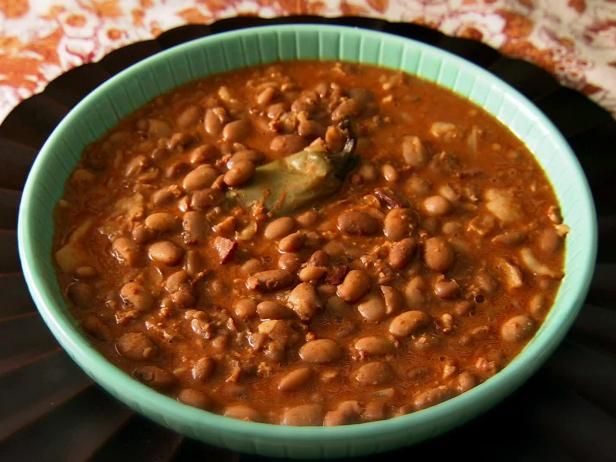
[[50, 410]]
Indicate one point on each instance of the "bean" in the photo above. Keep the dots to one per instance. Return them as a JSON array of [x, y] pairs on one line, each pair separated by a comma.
[[212, 123], [432, 396], [312, 273], [165, 252], [245, 308], [517, 328], [96, 328], [446, 289], [270, 280], [307, 218], [287, 144], [413, 292], [244, 155], [202, 154], [155, 377], [194, 398], [392, 298], [436, 206], [136, 346], [396, 225], [309, 128], [389, 173], [372, 309], [418, 185], [375, 410], [189, 116], [295, 379], [203, 369], [373, 346], [374, 373], [347, 108], [293, 242], [320, 351], [538, 305], [358, 223], [81, 294], [465, 381], [347, 412], [279, 228], [303, 415], [401, 253], [135, 295], [242, 412], [290, 262], [271, 309], [201, 177], [164, 196], [236, 130], [193, 263], [355, 285], [266, 95], [304, 301], [158, 128], [549, 241], [438, 254], [241, 173], [205, 198], [161, 222], [414, 151], [319, 258], [126, 251], [408, 323]]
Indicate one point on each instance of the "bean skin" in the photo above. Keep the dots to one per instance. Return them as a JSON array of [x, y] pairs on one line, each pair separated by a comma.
[[414, 152], [136, 296], [295, 379], [236, 130], [241, 173], [517, 328], [396, 225], [289, 262], [304, 301], [279, 228], [446, 289], [270, 280], [212, 123], [303, 415], [202, 370], [401, 253], [165, 252], [271, 309], [408, 323], [195, 227], [372, 309], [126, 251], [194, 398], [358, 223], [374, 373], [432, 396], [373, 346], [293, 242], [355, 285], [320, 351], [436, 206], [201, 177], [245, 308], [136, 346], [438, 254], [161, 222], [245, 155]]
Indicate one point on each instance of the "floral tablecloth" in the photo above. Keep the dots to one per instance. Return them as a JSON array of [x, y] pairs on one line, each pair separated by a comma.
[[574, 39]]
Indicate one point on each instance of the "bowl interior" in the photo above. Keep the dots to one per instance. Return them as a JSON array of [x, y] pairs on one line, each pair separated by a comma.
[[121, 95]]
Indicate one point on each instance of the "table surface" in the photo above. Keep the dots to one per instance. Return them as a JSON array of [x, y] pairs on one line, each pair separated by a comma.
[[573, 39], [50, 410]]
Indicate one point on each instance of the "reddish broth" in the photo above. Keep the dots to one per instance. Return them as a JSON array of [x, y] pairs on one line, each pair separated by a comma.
[[422, 276]]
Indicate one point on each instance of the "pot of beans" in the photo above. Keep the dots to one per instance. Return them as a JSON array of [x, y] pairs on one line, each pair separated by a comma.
[[310, 241]]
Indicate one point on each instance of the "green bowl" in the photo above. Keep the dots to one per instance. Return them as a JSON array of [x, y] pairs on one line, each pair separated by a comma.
[[129, 90]]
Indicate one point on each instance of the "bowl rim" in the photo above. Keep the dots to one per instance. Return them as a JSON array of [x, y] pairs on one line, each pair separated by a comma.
[[461, 407]]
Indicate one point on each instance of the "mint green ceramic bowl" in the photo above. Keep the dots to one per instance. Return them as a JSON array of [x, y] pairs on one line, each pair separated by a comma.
[[105, 106]]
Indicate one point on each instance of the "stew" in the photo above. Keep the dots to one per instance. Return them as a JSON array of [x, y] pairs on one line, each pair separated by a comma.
[[309, 243]]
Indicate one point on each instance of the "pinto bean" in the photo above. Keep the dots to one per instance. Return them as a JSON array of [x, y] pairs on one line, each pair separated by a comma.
[[203, 199], [203, 369], [194, 398], [372, 309], [244, 155], [465, 381], [396, 225], [446, 289], [241, 173], [438, 254], [194, 263], [242, 412], [374, 373], [155, 377], [390, 173], [201, 177], [307, 218], [401, 253], [161, 221], [320, 351], [271, 280], [81, 294], [245, 308], [202, 154], [135, 295], [304, 301], [212, 122], [279, 228], [373, 346], [408, 323], [126, 251], [312, 273], [517, 328], [357, 223], [165, 252], [392, 298], [303, 415], [355, 285], [347, 412], [288, 144], [271, 309], [414, 151], [189, 116], [436, 206], [136, 346], [293, 242], [295, 379], [432, 396], [236, 130], [290, 262]]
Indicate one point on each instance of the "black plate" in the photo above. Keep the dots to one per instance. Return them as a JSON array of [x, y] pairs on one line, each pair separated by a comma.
[[50, 410]]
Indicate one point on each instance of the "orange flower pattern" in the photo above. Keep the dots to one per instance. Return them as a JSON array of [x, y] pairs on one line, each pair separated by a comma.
[[573, 39]]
